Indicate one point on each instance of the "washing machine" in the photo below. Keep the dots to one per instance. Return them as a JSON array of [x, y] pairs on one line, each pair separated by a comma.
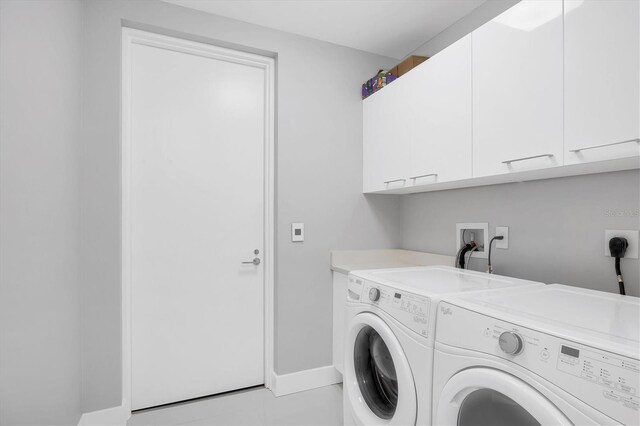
[[553, 355], [390, 323]]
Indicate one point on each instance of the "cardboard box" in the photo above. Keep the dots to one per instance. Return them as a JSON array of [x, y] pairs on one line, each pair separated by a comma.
[[410, 63]]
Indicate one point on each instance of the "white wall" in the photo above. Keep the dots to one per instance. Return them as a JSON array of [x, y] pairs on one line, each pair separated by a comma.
[[319, 179], [556, 227], [39, 212]]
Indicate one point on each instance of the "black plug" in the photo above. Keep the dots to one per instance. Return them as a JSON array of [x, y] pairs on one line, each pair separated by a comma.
[[618, 248]]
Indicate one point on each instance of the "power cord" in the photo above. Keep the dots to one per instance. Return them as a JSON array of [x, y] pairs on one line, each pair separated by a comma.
[[618, 248], [489, 267]]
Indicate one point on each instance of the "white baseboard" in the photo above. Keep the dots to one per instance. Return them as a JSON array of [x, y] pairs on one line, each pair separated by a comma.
[[114, 416], [285, 384]]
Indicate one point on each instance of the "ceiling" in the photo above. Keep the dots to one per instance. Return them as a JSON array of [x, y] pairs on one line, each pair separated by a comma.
[[391, 28]]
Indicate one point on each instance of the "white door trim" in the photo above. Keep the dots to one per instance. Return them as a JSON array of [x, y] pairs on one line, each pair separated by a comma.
[[130, 37]]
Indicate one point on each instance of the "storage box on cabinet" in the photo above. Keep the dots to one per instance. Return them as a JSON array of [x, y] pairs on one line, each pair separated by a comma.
[[408, 64], [517, 90], [602, 91]]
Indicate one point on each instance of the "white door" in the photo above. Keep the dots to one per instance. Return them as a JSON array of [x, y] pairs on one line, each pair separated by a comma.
[[602, 92], [441, 116], [196, 193], [517, 90]]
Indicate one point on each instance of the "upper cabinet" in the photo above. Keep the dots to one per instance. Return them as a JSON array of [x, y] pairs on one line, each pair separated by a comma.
[[517, 90], [601, 79], [386, 138], [546, 89], [417, 130], [440, 142]]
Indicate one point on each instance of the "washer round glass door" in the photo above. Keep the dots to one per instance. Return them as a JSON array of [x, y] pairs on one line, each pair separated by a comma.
[[377, 374], [483, 396]]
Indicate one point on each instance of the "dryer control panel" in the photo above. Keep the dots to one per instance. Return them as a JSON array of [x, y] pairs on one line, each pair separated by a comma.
[[616, 376], [607, 381], [410, 309]]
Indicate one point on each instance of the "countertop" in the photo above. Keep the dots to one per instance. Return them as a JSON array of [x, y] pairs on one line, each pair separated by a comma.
[[345, 261]]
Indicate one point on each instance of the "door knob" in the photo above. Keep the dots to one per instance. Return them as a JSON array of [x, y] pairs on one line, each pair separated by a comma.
[[255, 261]]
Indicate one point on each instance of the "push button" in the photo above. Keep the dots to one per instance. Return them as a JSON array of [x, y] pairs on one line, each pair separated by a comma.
[[626, 388], [611, 395]]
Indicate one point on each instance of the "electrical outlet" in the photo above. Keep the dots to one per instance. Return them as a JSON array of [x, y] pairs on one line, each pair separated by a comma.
[[632, 239], [503, 243]]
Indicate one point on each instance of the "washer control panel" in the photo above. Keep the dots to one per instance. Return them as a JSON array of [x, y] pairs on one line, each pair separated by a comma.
[[606, 381], [408, 308]]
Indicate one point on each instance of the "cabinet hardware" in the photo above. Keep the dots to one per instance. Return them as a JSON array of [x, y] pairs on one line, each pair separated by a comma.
[[605, 145], [527, 158], [394, 180], [421, 176]]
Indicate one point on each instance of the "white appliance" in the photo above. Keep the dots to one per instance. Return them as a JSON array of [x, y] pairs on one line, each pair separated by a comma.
[[545, 355], [390, 316]]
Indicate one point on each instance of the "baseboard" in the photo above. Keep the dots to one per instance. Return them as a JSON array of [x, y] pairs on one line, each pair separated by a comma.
[[285, 384], [114, 416]]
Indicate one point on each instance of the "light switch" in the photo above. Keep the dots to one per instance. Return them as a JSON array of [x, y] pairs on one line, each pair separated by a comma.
[[297, 232]]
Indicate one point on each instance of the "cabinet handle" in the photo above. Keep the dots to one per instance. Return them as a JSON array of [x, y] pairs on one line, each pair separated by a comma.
[[604, 145], [526, 158], [421, 176], [395, 180]]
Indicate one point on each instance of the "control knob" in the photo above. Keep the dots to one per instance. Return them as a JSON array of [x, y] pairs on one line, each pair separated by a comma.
[[511, 343], [374, 294]]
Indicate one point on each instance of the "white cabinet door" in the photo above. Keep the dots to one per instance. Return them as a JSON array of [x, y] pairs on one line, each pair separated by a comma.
[[385, 149], [517, 90], [441, 116], [602, 79]]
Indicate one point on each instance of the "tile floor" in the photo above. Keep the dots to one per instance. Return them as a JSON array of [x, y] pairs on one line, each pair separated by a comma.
[[322, 406]]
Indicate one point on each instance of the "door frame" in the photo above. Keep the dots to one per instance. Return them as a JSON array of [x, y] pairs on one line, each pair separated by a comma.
[[133, 36]]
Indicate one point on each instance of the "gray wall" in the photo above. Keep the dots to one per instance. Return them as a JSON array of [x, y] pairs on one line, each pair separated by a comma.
[[39, 212], [556, 227], [319, 180]]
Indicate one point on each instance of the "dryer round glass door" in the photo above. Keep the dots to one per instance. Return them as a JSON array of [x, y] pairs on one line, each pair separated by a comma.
[[376, 373], [378, 383], [491, 408], [484, 396]]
